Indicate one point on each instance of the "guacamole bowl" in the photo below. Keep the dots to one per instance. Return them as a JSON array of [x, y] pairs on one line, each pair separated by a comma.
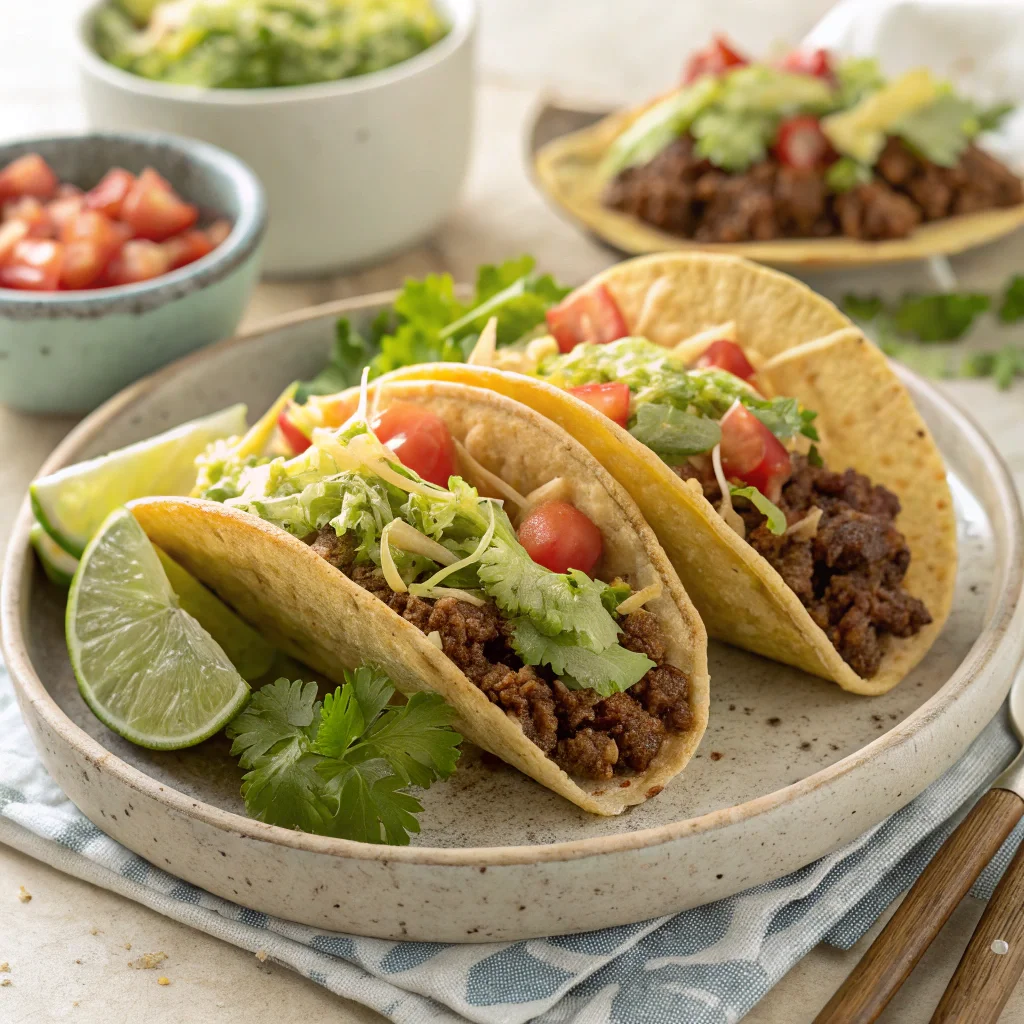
[[354, 169], [68, 351]]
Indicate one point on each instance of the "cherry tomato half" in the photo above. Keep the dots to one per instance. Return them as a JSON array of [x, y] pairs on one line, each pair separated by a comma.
[[420, 440], [728, 356], [802, 144], [560, 537], [717, 57], [808, 62], [752, 453], [592, 315], [297, 440], [612, 399]]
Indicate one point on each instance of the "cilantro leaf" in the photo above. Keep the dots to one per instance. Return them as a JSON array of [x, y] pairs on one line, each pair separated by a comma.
[[609, 671], [940, 131], [862, 307], [673, 434], [1012, 307], [942, 317], [775, 516], [814, 457], [338, 768], [991, 118], [1003, 365], [784, 417]]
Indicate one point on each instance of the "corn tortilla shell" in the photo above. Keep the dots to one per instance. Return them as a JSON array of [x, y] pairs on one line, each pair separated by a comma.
[[865, 417], [569, 172], [316, 614]]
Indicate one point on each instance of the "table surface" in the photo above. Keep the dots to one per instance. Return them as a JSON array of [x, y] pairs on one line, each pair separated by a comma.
[[66, 947]]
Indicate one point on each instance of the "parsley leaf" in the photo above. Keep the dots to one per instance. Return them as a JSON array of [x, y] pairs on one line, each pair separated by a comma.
[[775, 516], [673, 434], [338, 768], [1012, 307], [606, 672]]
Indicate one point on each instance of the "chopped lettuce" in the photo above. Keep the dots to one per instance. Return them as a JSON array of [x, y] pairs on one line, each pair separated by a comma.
[[941, 131], [761, 88], [855, 78], [673, 434], [846, 173], [776, 518], [733, 139]]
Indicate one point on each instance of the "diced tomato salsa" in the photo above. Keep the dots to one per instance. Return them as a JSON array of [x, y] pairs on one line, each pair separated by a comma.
[[127, 228]]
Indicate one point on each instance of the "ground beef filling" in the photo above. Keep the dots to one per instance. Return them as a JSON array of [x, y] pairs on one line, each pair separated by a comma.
[[849, 576], [584, 734], [684, 194]]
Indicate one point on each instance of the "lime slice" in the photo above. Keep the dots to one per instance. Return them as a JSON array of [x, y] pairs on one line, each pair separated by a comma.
[[71, 503], [251, 655], [58, 565], [146, 667]]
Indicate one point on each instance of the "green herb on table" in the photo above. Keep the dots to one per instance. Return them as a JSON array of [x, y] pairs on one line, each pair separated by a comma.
[[341, 768], [1012, 307]]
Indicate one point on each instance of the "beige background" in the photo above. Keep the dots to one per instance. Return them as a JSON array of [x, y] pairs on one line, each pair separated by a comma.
[[66, 946]]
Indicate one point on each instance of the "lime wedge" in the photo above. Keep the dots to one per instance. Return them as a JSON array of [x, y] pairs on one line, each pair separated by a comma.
[[71, 503], [251, 655], [147, 668], [58, 565]]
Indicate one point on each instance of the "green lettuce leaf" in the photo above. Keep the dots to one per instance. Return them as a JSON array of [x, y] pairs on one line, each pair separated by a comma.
[[941, 131], [776, 517], [855, 78], [673, 434]]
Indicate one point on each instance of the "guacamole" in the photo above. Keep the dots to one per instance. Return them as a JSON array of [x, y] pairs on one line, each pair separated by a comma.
[[255, 44]]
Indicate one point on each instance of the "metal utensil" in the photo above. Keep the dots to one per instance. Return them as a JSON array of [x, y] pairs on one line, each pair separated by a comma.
[[994, 958]]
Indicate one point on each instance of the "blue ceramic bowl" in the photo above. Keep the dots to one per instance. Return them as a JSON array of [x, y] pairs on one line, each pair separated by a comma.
[[69, 351]]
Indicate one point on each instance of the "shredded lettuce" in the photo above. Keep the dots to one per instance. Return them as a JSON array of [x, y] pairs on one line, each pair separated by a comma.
[[775, 516]]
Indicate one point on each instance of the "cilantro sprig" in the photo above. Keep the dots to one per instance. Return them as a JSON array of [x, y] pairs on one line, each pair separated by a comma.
[[429, 323], [341, 768]]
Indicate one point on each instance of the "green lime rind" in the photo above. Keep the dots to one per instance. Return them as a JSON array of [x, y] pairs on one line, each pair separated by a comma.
[[71, 503], [146, 667], [58, 565]]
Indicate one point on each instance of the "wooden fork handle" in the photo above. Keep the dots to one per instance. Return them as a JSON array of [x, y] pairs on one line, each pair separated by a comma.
[[994, 958], [926, 908]]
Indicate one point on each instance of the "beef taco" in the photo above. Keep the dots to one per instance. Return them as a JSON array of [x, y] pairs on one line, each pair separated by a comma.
[[782, 464], [480, 553], [811, 157]]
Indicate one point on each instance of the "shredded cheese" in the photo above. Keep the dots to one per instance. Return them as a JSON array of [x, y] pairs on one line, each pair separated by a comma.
[[806, 528], [650, 307], [392, 576], [459, 595], [486, 345], [435, 638], [408, 538], [691, 349], [640, 598], [556, 489], [478, 475], [732, 518]]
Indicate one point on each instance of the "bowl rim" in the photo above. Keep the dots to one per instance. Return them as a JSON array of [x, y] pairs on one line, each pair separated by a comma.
[[246, 231], [463, 15], [15, 581]]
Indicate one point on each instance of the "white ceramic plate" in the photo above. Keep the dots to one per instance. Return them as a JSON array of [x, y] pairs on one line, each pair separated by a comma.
[[791, 767]]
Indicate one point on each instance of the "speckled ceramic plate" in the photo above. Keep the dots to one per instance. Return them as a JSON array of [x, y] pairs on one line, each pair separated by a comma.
[[567, 146], [791, 767]]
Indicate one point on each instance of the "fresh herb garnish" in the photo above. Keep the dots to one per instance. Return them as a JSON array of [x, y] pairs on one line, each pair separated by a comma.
[[340, 768], [673, 434], [1011, 309], [814, 457]]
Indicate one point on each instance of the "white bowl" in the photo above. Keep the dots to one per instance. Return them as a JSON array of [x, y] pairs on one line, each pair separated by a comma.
[[354, 170]]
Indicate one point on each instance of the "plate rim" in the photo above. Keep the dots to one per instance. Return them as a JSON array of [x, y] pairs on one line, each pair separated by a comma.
[[17, 577]]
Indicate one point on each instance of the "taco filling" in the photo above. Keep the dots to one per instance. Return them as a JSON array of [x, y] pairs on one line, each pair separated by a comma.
[[831, 536], [810, 147], [576, 662]]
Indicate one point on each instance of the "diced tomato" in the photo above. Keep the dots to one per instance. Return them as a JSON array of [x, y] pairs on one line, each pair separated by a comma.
[[65, 190], [29, 175], [218, 232], [297, 440], [808, 62], [138, 260], [62, 209], [612, 399], [33, 213], [728, 356], [11, 233], [83, 264], [717, 57], [752, 453], [802, 144], [187, 247], [110, 193], [93, 227], [34, 264], [154, 210], [560, 537], [420, 440], [586, 316]]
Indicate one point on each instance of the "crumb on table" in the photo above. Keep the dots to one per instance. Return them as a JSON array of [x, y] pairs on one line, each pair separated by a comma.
[[23, 894], [163, 980], [261, 955], [148, 961], [5, 968]]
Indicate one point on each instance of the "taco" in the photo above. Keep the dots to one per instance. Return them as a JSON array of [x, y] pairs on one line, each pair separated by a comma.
[[811, 158], [584, 666], [782, 464]]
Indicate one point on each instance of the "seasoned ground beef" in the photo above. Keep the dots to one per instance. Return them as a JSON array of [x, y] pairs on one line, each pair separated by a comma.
[[584, 734], [684, 194], [849, 576]]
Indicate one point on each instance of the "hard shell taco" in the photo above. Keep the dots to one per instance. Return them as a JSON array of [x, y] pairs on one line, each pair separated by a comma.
[[584, 666], [782, 464]]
